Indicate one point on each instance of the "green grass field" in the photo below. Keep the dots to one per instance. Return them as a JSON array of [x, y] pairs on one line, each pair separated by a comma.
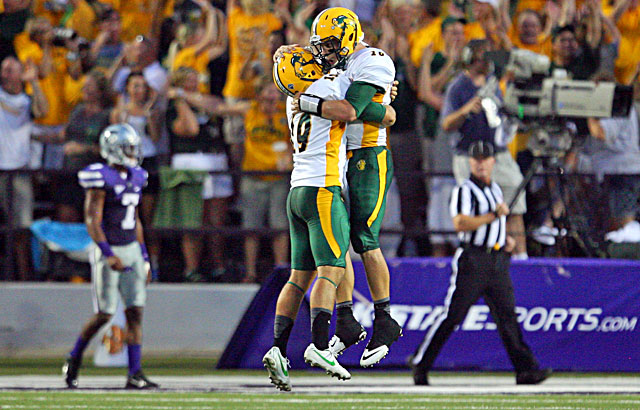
[[50, 396], [201, 401]]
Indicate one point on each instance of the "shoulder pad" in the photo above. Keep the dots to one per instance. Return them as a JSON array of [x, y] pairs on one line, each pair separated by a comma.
[[140, 176], [92, 176]]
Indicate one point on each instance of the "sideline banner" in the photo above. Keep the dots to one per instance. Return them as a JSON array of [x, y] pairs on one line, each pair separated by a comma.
[[576, 314]]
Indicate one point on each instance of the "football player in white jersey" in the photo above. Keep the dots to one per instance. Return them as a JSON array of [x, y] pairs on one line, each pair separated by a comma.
[[318, 218], [336, 40]]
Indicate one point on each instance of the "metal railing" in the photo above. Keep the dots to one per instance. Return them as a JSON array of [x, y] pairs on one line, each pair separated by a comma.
[[9, 230]]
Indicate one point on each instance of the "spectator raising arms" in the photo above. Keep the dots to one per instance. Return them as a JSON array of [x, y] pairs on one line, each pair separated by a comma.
[[108, 45], [197, 144], [56, 62], [249, 27], [266, 148], [202, 44]]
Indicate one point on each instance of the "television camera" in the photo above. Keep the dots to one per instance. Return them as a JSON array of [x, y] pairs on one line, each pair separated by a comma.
[[545, 105], [544, 102]]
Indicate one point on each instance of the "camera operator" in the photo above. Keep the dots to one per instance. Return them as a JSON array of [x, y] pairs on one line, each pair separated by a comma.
[[463, 112], [613, 154], [56, 56]]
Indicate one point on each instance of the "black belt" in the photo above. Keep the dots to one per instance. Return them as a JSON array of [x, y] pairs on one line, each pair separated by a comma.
[[496, 248]]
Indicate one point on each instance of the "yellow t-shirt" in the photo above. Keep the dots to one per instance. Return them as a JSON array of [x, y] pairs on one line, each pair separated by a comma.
[[52, 85], [543, 46], [73, 90], [243, 31], [136, 16], [432, 34], [1, 6], [629, 50], [187, 58], [421, 38], [473, 31], [82, 19], [261, 134]]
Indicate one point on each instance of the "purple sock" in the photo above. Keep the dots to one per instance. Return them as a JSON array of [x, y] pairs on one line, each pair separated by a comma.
[[135, 354], [78, 349]]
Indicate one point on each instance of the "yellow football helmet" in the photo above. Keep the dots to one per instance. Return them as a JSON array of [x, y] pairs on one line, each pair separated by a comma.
[[335, 31], [295, 71]]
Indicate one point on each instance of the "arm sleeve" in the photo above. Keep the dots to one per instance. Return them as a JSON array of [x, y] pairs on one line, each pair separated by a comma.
[[359, 95], [373, 112]]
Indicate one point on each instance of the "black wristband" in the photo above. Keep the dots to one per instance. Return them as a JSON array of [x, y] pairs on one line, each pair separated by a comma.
[[311, 104]]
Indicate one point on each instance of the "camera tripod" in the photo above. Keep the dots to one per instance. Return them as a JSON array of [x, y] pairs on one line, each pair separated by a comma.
[[573, 225]]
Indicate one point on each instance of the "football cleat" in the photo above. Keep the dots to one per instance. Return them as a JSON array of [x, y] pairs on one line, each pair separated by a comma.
[[348, 333], [70, 370], [535, 376], [385, 332], [326, 360], [420, 376], [139, 381], [278, 367]]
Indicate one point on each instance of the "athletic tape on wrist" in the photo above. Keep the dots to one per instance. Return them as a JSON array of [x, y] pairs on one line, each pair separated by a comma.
[[311, 104]]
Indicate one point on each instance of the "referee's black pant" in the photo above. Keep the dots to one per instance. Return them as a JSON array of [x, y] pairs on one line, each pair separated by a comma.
[[475, 273]]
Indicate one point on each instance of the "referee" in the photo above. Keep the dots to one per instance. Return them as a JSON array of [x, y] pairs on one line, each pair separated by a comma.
[[480, 267]]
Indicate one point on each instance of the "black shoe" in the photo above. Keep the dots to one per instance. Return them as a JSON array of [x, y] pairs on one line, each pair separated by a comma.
[[349, 332], [70, 371], [385, 332], [139, 381], [420, 377], [536, 376]]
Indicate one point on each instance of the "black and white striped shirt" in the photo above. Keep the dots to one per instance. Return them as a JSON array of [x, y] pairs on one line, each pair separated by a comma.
[[474, 198]]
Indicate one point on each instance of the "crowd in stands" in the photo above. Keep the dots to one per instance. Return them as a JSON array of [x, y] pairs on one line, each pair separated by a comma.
[[193, 77]]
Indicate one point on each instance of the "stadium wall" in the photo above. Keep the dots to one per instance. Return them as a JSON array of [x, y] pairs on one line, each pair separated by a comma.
[[45, 318]]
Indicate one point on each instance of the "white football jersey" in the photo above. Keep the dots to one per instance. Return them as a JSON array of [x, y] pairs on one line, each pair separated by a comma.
[[370, 65], [319, 147]]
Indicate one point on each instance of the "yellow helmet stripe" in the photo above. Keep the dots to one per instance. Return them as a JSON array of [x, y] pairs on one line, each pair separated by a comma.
[[317, 19]]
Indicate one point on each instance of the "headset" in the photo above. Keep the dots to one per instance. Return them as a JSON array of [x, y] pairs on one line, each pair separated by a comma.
[[469, 54]]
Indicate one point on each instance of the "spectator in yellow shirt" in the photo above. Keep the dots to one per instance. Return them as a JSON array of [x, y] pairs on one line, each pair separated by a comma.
[[55, 64], [626, 16], [528, 33], [266, 148], [202, 43], [249, 27]]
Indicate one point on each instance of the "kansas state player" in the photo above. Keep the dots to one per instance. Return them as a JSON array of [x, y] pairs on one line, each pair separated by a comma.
[[120, 261]]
